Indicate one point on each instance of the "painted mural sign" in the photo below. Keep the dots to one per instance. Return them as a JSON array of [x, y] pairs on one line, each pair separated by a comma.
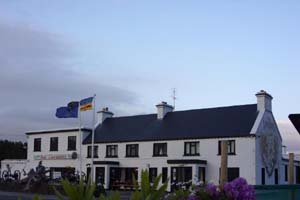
[[269, 150], [269, 144], [53, 157]]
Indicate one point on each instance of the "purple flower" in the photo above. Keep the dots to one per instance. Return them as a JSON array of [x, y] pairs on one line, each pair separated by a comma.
[[212, 190], [239, 189]]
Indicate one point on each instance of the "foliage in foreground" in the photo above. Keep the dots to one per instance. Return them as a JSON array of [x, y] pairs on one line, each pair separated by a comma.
[[147, 190], [238, 189], [77, 192]]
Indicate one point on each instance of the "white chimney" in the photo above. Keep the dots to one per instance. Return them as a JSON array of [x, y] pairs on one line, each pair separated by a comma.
[[264, 101], [162, 109], [103, 114]]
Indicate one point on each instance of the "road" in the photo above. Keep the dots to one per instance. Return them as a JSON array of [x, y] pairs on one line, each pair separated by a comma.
[[25, 196], [22, 196]]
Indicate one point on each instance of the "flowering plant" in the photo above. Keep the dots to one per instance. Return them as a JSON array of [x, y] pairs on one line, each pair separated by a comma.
[[238, 189]]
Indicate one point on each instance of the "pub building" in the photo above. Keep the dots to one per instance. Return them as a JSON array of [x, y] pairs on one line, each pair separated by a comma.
[[183, 146]]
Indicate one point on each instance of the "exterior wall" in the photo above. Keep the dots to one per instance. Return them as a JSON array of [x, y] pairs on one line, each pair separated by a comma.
[[244, 158], [64, 161], [272, 149], [14, 165]]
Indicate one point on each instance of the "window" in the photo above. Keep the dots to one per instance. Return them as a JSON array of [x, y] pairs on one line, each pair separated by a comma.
[[263, 176], [276, 176], [132, 150], [71, 143], [191, 149], [37, 144], [231, 147], [201, 174], [152, 174], [111, 151], [164, 174], [285, 172], [160, 149], [89, 153], [54, 144], [233, 173]]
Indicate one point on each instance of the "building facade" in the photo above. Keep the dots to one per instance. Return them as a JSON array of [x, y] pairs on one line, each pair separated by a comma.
[[183, 146]]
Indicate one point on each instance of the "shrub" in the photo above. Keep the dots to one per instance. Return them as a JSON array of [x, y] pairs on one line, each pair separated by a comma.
[[148, 191]]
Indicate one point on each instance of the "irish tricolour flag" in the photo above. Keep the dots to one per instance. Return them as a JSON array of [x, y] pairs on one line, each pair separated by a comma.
[[86, 104]]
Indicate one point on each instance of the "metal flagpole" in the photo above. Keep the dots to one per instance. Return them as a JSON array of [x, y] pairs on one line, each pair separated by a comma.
[[93, 135], [80, 145]]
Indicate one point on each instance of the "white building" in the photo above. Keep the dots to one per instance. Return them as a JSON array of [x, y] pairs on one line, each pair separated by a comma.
[[182, 145]]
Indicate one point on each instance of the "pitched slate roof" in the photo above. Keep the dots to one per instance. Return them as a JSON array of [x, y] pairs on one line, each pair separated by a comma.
[[295, 119], [63, 130], [233, 121]]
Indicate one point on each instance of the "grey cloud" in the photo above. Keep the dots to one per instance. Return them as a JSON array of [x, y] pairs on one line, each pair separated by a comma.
[[36, 76]]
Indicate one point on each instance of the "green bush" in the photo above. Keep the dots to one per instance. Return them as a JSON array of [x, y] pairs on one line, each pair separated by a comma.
[[148, 191], [77, 192]]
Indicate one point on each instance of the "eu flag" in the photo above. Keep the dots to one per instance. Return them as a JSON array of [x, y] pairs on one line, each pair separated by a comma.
[[71, 111]]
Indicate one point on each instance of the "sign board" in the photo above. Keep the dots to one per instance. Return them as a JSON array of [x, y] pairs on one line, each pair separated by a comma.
[[53, 157]]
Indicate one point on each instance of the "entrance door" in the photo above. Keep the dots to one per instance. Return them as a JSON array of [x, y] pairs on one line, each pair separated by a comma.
[[100, 174], [181, 177]]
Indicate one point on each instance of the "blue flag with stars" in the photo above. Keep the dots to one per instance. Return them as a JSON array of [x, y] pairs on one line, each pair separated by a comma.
[[70, 111]]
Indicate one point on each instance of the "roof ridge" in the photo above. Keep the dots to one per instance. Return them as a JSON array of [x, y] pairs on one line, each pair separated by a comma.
[[211, 108]]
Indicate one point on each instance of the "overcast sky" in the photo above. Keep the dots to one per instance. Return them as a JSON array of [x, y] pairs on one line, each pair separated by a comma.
[[131, 53]]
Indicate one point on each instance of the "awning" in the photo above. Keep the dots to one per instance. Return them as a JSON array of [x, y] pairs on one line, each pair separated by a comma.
[[185, 161], [295, 119], [106, 163]]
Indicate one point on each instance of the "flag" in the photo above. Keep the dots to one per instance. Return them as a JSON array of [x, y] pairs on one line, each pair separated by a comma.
[[86, 104], [71, 111]]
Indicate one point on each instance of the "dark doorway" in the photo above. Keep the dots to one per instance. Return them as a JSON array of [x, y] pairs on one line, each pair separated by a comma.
[[297, 175], [276, 176], [121, 178], [100, 174], [88, 173], [181, 175], [164, 174]]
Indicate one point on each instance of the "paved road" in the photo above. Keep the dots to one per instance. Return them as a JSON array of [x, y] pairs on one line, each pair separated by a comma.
[[24, 196]]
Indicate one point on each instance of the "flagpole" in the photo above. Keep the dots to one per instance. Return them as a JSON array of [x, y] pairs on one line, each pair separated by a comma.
[[80, 145], [93, 136]]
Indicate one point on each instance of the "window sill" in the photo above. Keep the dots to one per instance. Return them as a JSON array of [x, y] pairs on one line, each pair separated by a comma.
[[71, 150], [91, 157], [160, 155], [229, 154], [191, 154], [53, 150], [37, 151], [111, 156], [131, 156]]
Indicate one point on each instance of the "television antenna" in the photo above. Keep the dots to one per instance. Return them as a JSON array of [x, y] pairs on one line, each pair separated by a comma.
[[174, 96]]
